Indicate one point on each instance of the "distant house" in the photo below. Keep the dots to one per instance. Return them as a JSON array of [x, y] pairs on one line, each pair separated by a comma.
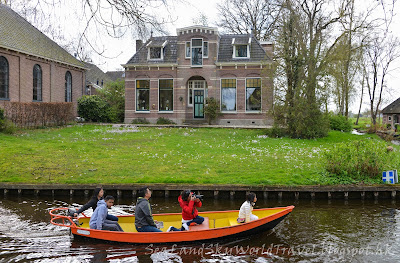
[[391, 113], [33, 68], [95, 79], [172, 77], [116, 75]]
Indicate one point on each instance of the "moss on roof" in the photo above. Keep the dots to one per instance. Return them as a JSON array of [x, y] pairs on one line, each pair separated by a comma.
[[18, 34]]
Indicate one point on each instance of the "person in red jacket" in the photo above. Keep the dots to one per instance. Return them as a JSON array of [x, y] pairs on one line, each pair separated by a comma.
[[189, 202]]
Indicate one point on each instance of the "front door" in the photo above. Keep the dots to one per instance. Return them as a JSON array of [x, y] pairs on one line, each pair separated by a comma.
[[198, 104]]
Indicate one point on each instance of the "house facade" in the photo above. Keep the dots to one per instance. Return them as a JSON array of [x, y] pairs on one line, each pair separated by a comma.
[[33, 68], [172, 76], [391, 114]]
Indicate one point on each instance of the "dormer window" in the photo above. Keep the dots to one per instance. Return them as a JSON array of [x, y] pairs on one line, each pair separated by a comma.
[[156, 50], [155, 53], [241, 48]]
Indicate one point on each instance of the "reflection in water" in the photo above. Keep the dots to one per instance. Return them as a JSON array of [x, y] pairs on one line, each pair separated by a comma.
[[320, 231]]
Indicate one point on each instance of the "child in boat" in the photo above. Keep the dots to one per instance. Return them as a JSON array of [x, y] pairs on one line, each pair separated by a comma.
[[245, 214], [188, 202], [99, 219], [97, 195]]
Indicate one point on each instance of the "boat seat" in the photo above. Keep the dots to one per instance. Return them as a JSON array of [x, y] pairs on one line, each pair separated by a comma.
[[203, 226]]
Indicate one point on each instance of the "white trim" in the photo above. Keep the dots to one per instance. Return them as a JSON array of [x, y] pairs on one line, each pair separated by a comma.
[[191, 53], [236, 97], [245, 97], [136, 98], [234, 52], [189, 30], [161, 54], [190, 49], [158, 99], [208, 49]]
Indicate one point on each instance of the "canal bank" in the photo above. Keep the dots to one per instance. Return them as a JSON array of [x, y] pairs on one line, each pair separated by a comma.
[[212, 191]]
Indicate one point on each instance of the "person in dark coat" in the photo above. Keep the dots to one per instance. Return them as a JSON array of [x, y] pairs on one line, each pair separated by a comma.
[[97, 195], [144, 221]]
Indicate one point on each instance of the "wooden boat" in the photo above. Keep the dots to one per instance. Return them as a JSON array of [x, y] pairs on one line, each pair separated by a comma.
[[216, 225]]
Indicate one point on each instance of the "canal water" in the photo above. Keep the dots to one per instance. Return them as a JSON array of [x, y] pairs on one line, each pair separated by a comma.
[[316, 231]]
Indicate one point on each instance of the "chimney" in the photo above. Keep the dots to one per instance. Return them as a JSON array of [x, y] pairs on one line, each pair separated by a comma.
[[139, 44], [268, 47]]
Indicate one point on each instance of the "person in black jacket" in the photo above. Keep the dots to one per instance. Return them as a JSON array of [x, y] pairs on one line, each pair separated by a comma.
[[97, 195]]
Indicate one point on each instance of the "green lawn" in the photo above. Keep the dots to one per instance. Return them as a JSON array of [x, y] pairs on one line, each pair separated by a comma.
[[103, 154]]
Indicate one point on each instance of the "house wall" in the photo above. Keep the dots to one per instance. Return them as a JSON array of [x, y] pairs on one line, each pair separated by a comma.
[[393, 118], [211, 73], [53, 78]]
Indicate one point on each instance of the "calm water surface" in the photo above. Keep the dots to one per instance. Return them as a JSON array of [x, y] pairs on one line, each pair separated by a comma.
[[316, 231]]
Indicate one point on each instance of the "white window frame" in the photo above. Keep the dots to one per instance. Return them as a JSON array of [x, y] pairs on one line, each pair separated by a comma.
[[236, 97], [193, 89], [161, 51], [136, 104], [245, 96], [190, 49], [191, 53], [208, 49], [234, 52], [166, 111]]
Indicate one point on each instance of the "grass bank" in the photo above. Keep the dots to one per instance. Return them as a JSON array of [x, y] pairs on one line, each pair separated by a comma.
[[105, 154]]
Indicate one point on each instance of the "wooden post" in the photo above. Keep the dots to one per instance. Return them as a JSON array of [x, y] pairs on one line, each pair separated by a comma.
[[363, 195], [280, 195], [216, 193], [71, 192], [329, 195], [5, 191], [134, 194], [312, 195], [346, 195], [393, 194], [376, 195], [36, 192], [265, 195], [232, 195], [166, 193], [86, 192], [19, 191], [119, 193], [296, 195]]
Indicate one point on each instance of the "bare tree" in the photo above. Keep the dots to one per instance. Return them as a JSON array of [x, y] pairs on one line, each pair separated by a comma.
[[115, 18], [242, 16], [381, 52]]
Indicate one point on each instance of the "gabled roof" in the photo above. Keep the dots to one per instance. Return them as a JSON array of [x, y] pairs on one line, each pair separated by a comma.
[[94, 74], [257, 53], [392, 108], [116, 75], [19, 35], [170, 55]]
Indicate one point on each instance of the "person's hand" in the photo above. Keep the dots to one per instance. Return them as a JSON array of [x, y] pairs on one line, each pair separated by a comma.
[[192, 197], [155, 221], [197, 200], [75, 214]]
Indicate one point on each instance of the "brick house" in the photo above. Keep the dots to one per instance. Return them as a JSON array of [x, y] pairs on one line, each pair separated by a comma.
[[33, 68], [95, 79], [171, 77], [391, 113]]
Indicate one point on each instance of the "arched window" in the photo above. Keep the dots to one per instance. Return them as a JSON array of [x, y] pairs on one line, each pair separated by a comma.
[[68, 87], [37, 83], [4, 78]]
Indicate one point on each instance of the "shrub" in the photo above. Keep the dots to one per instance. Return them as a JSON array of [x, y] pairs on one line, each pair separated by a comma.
[[2, 119], [93, 108], [389, 126], [114, 94], [212, 109], [38, 114], [162, 120], [140, 121], [276, 132], [340, 123], [360, 159]]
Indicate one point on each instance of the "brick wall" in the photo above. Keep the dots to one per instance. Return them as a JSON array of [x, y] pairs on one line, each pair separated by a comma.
[[53, 78]]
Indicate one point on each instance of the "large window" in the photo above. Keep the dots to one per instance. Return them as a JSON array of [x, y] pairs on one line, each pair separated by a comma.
[[37, 83], [253, 94], [197, 52], [4, 78], [166, 94], [142, 95], [228, 94], [68, 87]]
